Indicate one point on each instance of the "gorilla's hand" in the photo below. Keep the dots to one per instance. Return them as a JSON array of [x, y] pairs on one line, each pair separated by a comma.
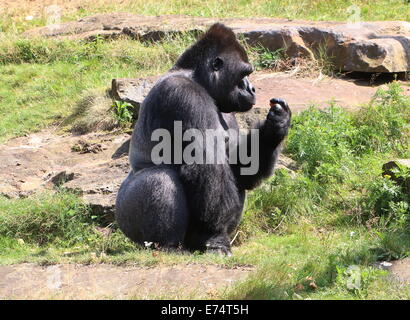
[[278, 118]]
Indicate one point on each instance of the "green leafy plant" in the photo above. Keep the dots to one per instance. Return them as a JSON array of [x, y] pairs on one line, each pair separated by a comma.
[[356, 279], [327, 143], [123, 112], [387, 203], [264, 58]]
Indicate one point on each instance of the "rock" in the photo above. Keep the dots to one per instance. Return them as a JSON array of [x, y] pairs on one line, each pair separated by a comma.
[[390, 166], [61, 178], [86, 147], [365, 47], [102, 205], [362, 47], [132, 91], [401, 270], [98, 185], [284, 162]]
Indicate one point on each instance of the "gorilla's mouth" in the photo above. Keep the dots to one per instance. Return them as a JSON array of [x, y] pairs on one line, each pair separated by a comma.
[[246, 107], [246, 103]]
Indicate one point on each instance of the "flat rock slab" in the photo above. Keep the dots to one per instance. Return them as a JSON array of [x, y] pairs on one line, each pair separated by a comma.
[[103, 281], [44, 160], [366, 46], [401, 270]]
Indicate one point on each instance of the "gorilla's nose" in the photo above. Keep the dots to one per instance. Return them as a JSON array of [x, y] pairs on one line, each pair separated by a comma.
[[249, 87]]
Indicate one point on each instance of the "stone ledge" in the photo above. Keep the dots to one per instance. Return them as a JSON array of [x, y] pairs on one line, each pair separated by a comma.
[[363, 47]]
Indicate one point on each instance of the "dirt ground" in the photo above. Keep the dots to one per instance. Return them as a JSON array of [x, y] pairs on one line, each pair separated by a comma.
[[300, 93], [102, 281]]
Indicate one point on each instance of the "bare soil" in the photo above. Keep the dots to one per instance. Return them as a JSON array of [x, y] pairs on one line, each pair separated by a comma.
[[300, 93], [102, 281]]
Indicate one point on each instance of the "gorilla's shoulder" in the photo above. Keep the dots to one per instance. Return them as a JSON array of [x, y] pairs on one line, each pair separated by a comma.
[[180, 86]]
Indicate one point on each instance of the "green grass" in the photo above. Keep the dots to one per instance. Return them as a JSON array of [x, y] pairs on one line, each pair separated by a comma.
[[43, 81], [13, 20]]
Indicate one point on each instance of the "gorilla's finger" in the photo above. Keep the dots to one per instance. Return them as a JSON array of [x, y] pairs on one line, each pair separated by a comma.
[[277, 109], [279, 101]]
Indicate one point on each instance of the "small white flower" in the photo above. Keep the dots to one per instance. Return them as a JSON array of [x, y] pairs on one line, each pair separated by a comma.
[[386, 264], [148, 244]]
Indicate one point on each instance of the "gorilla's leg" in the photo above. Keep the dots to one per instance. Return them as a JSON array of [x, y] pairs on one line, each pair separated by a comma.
[[236, 218], [215, 206], [151, 206]]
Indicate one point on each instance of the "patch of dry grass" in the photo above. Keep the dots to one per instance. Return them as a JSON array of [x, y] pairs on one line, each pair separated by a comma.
[[92, 113]]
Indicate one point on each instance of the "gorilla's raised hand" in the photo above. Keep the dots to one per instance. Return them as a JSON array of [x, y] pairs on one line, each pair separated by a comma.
[[278, 119]]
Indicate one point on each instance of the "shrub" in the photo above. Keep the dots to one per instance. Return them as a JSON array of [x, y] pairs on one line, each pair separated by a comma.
[[386, 204], [327, 143], [263, 58], [321, 142], [383, 125]]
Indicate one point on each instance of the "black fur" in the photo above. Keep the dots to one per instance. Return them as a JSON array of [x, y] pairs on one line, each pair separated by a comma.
[[196, 205]]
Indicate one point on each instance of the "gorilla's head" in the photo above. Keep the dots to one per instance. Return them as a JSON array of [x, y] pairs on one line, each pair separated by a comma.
[[220, 64]]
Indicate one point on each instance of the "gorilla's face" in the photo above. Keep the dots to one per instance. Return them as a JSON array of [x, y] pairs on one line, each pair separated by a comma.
[[229, 83], [220, 64]]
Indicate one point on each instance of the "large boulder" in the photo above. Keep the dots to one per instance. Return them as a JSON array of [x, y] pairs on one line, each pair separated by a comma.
[[365, 46]]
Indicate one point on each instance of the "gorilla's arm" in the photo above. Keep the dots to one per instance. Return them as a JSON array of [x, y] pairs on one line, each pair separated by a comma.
[[272, 132]]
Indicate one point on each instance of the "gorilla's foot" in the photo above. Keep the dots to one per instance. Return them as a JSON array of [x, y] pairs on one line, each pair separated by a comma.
[[206, 242], [219, 244], [219, 250]]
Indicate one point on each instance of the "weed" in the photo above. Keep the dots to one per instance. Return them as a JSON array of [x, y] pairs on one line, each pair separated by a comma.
[[264, 58], [123, 112]]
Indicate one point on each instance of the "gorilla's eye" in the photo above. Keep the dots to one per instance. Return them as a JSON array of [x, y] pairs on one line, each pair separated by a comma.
[[217, 64]]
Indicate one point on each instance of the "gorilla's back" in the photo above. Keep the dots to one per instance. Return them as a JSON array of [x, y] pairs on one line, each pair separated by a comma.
[[163, 106]]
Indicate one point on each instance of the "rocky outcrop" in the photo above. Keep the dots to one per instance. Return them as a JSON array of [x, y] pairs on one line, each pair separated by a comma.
[[391, 167], [365, 46], [132, 91]]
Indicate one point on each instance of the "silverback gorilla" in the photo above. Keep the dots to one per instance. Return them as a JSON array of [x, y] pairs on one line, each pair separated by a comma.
[[194, 205]]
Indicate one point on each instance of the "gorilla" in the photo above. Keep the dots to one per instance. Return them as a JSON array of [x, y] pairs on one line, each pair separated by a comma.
[[197, 206]]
